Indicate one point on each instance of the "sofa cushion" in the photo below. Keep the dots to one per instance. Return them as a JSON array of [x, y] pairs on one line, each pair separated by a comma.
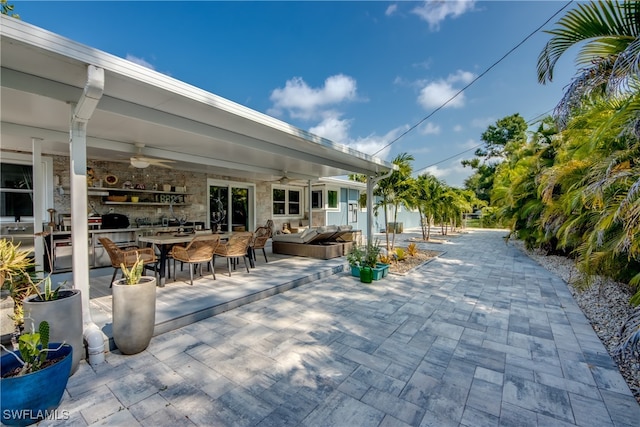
[[308, 234], [327, 229], [303, 237]]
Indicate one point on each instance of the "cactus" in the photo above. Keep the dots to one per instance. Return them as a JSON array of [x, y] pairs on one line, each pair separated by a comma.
[[33, 347]]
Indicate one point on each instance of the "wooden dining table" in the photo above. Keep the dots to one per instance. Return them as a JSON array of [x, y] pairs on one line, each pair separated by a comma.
[[164, 243]]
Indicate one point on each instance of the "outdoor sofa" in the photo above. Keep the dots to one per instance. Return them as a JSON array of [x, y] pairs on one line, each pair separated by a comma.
[[321, 242]]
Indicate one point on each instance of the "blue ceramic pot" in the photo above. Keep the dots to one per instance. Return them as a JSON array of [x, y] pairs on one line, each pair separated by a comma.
[[29, 398]]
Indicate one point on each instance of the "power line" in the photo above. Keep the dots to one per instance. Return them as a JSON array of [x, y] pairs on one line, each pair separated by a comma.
[[449, 158], [529, 122], [475, 79]]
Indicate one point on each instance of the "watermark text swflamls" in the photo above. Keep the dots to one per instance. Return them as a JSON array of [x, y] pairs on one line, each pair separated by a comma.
[[30, 414]]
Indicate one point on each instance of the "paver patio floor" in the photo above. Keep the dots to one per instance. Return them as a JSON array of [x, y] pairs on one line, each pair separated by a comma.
[[481, 336]]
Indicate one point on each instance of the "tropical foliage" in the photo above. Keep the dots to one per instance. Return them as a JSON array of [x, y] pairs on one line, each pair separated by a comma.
[[573, 185], [436, 202]]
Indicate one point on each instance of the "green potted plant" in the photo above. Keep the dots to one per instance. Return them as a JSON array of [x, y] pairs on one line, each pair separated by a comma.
[[61, 308], [14, 262], [35, 298], [372, 260], [33, 378], [133, 309], [355, 259]]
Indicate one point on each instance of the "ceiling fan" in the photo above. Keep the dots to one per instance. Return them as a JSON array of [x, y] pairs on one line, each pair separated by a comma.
[[141, 162], [284, 179]]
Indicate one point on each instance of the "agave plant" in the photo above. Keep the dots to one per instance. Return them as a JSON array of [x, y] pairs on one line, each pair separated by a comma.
[[630, 336]]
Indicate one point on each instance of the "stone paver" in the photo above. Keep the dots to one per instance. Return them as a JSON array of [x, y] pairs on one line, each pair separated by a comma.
[[481, 336]]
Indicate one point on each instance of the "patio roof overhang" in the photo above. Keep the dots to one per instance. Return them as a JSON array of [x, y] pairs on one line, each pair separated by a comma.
[[43, 75]]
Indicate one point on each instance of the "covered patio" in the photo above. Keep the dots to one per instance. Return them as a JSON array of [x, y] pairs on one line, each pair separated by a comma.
[[179, 304], [63, 98]]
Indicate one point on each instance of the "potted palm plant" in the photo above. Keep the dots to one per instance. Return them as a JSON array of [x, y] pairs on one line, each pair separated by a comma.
[[33, 378], [133, 309], [37, 300]]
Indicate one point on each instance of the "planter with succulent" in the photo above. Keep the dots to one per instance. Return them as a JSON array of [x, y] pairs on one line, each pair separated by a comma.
[[15, 264], [364, 263], [355, 259], [133, 309], [34, 377], [35, 298]]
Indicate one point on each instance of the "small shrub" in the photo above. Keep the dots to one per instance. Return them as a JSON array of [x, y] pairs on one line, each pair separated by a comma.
[[400, 254], [385, 259], [412, 249]]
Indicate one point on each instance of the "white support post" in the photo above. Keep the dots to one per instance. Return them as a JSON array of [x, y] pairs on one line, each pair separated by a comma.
[[38, 199], [370, 185], [80, 115], [309, 205], [79, 223]]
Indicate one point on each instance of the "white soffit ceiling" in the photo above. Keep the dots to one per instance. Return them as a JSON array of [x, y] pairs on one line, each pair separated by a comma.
[[43, 74]]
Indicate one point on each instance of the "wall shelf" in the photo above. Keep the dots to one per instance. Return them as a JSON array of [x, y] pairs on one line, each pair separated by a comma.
[[148, 197], [134, 190], [144, 203]]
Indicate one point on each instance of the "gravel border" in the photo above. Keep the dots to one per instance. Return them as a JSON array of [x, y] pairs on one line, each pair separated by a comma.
[[605, 304]]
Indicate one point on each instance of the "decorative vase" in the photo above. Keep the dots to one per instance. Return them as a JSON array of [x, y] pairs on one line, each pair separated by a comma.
[[30, 398], [134, 314], [65, 319], [366, 274]]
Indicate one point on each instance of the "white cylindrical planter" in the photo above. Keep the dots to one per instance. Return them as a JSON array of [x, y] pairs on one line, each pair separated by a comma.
[[134, 314], [65, 320]]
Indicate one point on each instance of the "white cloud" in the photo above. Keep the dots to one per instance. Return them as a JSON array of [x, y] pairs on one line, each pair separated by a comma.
[[139, 61], [436, 11], [454, 174], [333, 128], [436, 93], [302, 101], [373, 143], [391, 10], [457, 128], [430, 129]]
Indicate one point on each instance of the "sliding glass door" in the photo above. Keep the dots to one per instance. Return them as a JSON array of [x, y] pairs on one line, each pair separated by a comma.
[[231, 206]]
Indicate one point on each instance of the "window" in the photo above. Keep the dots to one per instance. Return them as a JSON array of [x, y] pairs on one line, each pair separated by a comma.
[[286, 201], [279, 201], [294, 202], [332, 199], [316, 199], [17, 194]]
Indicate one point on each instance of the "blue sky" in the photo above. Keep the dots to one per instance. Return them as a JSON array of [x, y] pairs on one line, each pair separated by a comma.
[[359, 73]]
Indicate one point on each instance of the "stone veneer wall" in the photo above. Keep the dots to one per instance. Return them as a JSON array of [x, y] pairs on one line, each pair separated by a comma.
[[196, 184]]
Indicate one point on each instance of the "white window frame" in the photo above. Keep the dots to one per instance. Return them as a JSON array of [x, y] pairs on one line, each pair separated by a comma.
[[47, 179], [288, 189], [324, 194], [337, 191], [321, 207]]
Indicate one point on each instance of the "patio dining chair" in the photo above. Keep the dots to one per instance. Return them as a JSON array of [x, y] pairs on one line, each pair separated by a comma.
[[259, 241], [199, 250], [128, 257], [237, 246]]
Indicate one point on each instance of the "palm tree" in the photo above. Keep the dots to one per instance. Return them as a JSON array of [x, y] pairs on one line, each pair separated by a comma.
[[609, 63], [394, 190], [428, 192]]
